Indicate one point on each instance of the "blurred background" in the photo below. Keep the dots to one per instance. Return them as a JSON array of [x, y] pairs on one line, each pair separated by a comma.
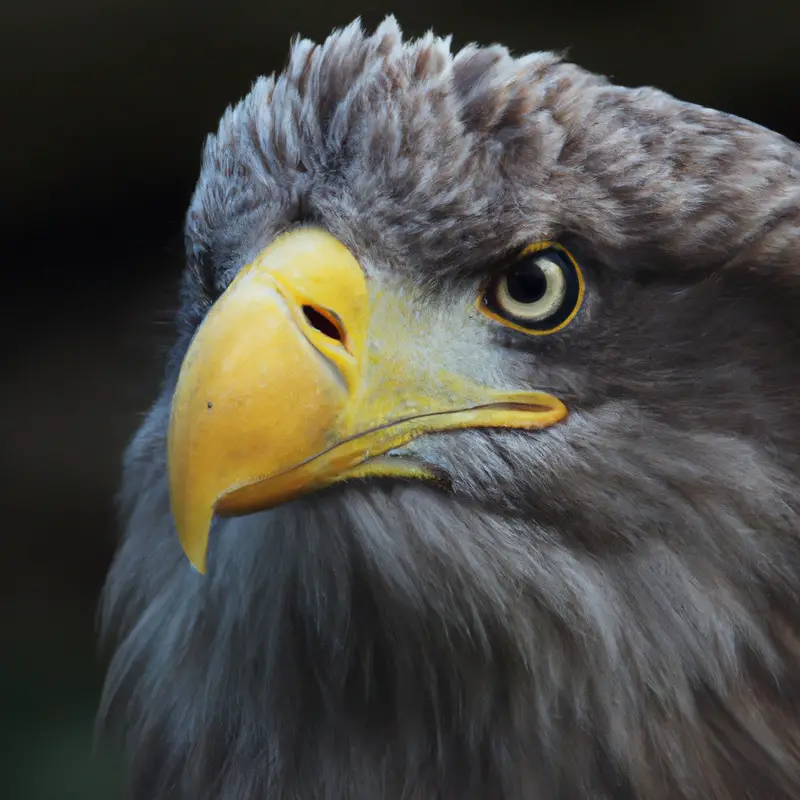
[[105, 105]]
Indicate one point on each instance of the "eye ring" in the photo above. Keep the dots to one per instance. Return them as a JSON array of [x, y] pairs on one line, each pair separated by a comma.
[[540, 293]]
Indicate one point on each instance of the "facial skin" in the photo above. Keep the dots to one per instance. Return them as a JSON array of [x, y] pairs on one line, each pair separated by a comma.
[[600, 603]]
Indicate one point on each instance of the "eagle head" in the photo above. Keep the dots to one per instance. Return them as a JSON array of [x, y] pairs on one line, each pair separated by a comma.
[[475, 470]]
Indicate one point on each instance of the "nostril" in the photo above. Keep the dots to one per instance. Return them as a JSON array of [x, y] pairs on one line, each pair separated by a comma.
[[325, 322]]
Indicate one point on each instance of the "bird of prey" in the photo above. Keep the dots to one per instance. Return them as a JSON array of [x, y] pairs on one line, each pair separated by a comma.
[[475, 470]]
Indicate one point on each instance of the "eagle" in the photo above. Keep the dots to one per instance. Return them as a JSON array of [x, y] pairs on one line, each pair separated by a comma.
[[475, 469]]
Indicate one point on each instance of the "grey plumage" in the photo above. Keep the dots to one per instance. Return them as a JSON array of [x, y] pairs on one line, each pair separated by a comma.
[[604, 609]]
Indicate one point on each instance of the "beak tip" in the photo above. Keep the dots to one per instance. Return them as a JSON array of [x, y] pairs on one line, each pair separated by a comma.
[[196, 557], [193, 537]]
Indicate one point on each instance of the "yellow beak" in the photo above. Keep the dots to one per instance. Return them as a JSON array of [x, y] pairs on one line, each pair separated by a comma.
[[303, 374]]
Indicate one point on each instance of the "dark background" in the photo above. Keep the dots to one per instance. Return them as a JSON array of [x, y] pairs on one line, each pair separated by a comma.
[[105, 104]]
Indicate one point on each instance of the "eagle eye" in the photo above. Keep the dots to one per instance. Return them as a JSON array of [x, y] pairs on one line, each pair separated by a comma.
[[539, 293]]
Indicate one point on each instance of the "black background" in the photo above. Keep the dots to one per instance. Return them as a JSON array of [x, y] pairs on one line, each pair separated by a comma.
[[105, 104]]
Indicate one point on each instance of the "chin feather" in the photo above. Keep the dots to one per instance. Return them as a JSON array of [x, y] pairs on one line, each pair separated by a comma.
[[392, 640]]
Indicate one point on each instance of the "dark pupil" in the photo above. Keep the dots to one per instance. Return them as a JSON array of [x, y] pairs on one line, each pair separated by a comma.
[[526, 283]]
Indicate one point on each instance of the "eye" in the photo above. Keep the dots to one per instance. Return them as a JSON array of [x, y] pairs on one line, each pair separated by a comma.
[[539, 293]]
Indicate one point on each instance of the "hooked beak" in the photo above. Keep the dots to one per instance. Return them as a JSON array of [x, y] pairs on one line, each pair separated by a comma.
[[301, 376]]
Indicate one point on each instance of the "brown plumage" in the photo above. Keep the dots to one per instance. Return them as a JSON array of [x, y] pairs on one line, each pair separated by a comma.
[[604, 608]]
